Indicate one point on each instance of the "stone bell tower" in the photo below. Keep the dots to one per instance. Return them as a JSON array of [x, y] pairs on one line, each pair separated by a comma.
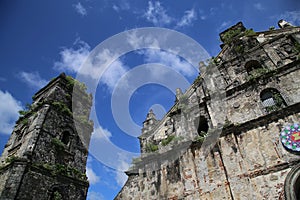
[[45, 157]]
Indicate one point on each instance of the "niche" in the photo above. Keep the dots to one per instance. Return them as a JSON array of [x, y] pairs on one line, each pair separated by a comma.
[[201, 125]]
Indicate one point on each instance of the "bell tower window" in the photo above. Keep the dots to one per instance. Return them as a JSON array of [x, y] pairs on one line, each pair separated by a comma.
[[65, 138]]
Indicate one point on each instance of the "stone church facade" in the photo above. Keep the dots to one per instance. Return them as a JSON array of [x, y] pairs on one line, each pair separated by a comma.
[[45, 157], [256, 152]]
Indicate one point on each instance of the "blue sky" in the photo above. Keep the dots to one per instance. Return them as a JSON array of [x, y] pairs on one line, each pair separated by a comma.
[[40, 39]]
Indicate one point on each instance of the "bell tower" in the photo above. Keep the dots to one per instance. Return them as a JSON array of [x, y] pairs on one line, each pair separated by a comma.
[[45, 157]]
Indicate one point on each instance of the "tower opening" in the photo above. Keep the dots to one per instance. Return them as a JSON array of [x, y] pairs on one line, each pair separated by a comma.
[[65, 137], [201, 124], [251, 66]]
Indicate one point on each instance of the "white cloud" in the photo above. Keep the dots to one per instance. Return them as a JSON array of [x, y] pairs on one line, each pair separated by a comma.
[[213, 11], [202, 14], [92, 195], [122, 5], [187, 19], [157, 14], [113, 74], [291, 16], [224, 24], [140, 41], [100, 133], [170, 60], [124, 163], [33, 79], [258, 6], [9, 112], [80, 9], [92, 176], [118, 161], [203, 17], [72, 58], [116, 8]]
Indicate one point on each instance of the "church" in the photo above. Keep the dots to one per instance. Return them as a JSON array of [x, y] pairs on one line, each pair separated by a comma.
[[234, 135]]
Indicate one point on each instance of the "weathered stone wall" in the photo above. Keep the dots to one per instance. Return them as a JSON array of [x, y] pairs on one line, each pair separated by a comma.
[[46, 182], [256, 162], [248, 165], [244, 105], [11, 177], [46, 153], [248, 160]]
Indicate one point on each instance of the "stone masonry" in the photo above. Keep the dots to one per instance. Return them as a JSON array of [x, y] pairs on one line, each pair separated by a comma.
[[259, 77], [45, 157]]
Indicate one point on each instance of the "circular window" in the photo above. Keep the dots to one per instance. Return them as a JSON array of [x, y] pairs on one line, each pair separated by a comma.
[[290, 137]]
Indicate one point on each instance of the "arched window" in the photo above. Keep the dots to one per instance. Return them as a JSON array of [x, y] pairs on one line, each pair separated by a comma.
[[65, 138], [201, 124], [251, 66], [272, 100]]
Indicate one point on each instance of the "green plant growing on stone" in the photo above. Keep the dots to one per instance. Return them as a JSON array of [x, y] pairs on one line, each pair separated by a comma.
[[231, 35], [278, 99], [279, 102], [151, 147], [166, 141], [272, 108], [11, 159], [271, 28], [59, 169], [249, 32], [29, 110], [59, 145], [83, 119], [239, 49], [257, 73], [201, 137], [61, 107], [57, 196], [24, 121], [203, 134], [297, 47], [73, 82]]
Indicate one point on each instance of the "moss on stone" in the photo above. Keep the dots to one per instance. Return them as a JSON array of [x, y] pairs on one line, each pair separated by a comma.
[[61, 107], [73, 82], [58, 145], [166, 141], [151, 147]]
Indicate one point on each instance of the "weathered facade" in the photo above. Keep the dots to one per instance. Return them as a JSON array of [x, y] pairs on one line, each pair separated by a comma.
[[259, 77], [45, 157]]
